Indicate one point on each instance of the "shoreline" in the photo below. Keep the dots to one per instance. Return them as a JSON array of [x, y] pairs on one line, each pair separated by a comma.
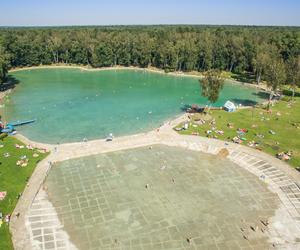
[[88, 68], [192, 74], [3, 94]]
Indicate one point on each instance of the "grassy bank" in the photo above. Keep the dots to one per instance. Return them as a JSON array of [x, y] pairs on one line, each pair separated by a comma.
[[274, 132], [13, 179]]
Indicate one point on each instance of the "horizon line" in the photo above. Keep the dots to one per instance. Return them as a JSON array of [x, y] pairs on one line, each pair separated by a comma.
[[122, 25]]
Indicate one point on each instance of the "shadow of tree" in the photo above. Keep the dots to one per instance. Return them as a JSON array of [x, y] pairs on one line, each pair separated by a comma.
[[244, 102], [192, 108], [290, 93], [9, 84], [244, 77], [262, 94], [185, 107]]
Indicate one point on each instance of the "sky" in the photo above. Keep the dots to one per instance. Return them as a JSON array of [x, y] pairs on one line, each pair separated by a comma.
[[126, 12]]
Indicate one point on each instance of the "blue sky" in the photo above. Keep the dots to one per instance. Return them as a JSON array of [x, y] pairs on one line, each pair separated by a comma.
[[107, 12]]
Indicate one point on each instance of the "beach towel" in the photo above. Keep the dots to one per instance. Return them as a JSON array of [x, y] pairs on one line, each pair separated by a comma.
[[2, 195]]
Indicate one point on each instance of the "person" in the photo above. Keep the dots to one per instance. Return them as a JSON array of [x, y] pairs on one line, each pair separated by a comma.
[[7, 218]]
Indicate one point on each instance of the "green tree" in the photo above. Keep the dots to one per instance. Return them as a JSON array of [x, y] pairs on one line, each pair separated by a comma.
[[211, 85], [236, 53], [293, 73], [54, 44], [260, 61], [3, 65], [274, 74], [181, 48], [205, 44], [104, 56]]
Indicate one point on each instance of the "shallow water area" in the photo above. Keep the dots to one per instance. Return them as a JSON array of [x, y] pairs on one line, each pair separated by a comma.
[[73, 104], [158, 197]]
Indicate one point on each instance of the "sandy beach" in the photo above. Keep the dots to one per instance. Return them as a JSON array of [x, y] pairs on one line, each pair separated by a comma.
[[3, 94], [192, 74], [88, 68]]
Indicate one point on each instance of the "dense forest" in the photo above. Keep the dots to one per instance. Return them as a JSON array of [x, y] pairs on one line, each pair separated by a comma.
[[271, 53]]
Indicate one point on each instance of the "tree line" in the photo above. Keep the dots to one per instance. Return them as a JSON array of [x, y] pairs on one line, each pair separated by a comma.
[[271, 53]]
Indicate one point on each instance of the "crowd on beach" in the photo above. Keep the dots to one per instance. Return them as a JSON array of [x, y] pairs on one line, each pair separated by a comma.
[[195, 120], [4, 219], [22, 161]]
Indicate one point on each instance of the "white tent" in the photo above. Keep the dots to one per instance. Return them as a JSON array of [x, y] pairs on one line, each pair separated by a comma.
[[229, 106]]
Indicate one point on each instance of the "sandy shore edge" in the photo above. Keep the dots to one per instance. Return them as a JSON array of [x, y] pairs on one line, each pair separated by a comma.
[[193, 74], [87, 68]]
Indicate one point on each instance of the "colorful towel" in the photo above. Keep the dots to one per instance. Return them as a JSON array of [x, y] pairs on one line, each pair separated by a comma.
[[2, 195]]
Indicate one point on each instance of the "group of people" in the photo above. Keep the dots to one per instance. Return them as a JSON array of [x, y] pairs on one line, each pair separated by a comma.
[[5, 219], [285, 156]]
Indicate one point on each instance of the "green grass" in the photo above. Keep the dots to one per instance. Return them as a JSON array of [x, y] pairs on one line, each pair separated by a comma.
[[13, 179], [287, 135]]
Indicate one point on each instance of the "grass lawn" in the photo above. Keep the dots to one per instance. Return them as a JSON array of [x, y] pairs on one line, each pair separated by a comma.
[[13, 179], [284, 120]]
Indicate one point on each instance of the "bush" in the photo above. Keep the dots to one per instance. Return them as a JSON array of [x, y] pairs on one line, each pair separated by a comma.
[[289, 92], [285, 98], [2, 136]]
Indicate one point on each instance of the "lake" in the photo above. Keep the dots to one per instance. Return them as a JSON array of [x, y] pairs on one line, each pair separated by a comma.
[[72, 104]]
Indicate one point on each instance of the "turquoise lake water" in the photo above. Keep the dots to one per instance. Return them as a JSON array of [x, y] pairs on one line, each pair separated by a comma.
[[72, 104]]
